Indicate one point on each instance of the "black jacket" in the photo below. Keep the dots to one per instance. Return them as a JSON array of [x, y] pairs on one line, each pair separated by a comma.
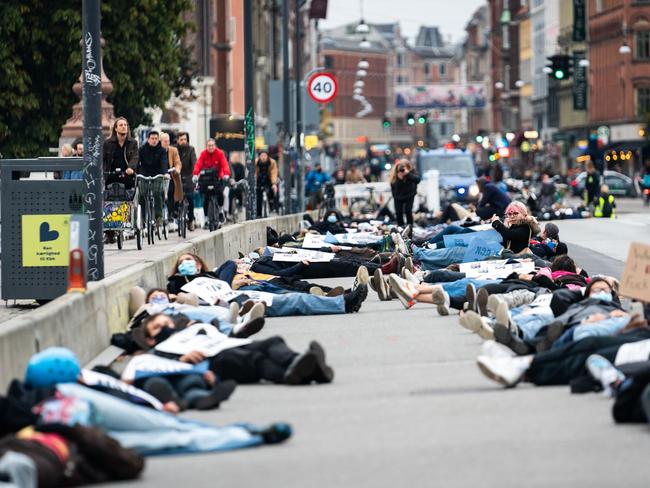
[[128, 154], [407, 188], [494, 198], [266, 265], [153, 160], [188, 159], [515, 237]]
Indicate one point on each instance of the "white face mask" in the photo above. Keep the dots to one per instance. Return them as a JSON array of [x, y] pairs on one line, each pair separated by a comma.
[[603, 295]]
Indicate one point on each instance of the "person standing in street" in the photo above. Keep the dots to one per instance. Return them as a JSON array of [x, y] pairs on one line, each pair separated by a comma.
[[266, 173], [354, 176], [314, 182], [592, 185], [404, 186], [188, 160], [175, 191], [605, 204], [153, 162]]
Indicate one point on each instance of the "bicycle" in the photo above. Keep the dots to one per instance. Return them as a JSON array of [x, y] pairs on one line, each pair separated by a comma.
[[266, 206], [145, 215], [366, 206], [329, 200], [209, 186], [237, 202], [118, 206], [183, 211]]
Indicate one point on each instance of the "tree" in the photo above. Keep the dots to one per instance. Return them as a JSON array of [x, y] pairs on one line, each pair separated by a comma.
[[40, 59]]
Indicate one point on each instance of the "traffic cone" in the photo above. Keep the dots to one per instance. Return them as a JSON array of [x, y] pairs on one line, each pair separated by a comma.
[[77, 271]]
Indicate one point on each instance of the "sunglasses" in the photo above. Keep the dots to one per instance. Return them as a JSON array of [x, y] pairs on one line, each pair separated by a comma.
[[401, 169], [510, 214]]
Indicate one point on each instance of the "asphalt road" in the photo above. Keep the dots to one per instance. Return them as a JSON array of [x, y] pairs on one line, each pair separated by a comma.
[[409, 407]]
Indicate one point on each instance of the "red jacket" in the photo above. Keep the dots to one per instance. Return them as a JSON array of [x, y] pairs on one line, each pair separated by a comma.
[[216, 159]]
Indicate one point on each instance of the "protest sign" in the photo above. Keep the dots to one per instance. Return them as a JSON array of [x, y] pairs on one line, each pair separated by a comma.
[[495, 269], [204, 338], [293, 255], [102, 381], [463, 240], [317, 241], [209, 290], [635, 282], [479, 249], [147, 365]]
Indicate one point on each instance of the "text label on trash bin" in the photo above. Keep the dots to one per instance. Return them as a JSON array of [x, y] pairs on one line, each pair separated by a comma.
[[45, 240]]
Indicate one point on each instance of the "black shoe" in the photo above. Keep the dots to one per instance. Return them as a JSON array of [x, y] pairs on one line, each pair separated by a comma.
[[220, 393], [248, 329], [503, 336], [323, 373], [470, 293], [274, 433], [301, 369], [162, 391], [553, 333], [355, 298]]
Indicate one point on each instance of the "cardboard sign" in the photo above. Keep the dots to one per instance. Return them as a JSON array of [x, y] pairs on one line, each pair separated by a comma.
[[209, 290], [117, 215], [635, 282], [479, 249], [463, 240], [295, 255], [147, 365], [495, 269], [204, 338], [45, 240]]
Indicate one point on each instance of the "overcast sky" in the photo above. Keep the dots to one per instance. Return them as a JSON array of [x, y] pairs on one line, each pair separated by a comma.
[[450, 15]]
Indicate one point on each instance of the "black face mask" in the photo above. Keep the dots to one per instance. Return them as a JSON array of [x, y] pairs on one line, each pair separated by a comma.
[[164, 334]]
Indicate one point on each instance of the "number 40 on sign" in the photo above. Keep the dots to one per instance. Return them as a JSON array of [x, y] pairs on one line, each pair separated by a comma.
[[322, 87]]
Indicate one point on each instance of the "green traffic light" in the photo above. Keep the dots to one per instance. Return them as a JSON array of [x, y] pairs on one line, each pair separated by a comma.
[[410, 121], [559, 74], [421, 120], [386, 125]]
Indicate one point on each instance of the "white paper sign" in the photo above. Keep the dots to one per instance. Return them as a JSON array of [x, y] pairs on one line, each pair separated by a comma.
[[93, 378], [293, 255], [144, 365], [204, 338], [207, 289], [497, 269], [633, 352]]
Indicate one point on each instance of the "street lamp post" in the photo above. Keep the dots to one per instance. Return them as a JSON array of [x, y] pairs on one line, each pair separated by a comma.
[[286, 113], [300, 169], [92, 136]]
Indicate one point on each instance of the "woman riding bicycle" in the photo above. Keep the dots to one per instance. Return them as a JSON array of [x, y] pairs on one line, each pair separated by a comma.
[[266, 173], [212, 158]]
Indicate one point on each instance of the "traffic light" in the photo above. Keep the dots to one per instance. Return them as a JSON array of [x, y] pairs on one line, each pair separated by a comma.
[[410, 118], [422, 119], [386, 123], [560, 67]]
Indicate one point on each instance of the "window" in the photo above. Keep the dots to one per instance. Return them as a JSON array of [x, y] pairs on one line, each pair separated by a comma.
[[642, 101], [506, 36], [442, 68], [329, 62], [400, 59], [642, 45], [427, 69]]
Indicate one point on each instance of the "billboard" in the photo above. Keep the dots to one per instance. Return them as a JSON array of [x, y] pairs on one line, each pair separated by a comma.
[[470, 95]]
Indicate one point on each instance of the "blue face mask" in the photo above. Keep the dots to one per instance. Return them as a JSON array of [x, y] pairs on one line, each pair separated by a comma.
[[187, 267], [159, 300], [332, 219], [603, 295]]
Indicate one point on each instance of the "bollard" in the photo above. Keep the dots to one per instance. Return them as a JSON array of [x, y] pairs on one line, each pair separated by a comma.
[[77, 272]]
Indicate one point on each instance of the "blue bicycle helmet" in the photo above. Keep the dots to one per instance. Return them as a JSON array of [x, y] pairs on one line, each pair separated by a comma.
[[51, 366]]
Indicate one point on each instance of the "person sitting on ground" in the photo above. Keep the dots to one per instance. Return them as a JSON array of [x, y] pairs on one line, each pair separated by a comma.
[[241, 360], [548, 244], [517, 229], [493, 201]]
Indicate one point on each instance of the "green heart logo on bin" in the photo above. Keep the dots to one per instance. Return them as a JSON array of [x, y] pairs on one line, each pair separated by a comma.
[[46, 234]]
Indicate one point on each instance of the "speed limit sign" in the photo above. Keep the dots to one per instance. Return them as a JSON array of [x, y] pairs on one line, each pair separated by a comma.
[[322, 87]]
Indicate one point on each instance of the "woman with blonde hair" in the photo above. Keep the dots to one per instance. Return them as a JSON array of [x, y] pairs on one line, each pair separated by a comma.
[[404, 186], [518, 227]]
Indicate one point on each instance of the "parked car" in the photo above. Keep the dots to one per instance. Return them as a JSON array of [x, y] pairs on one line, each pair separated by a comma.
[[619, 184], [456, 173]]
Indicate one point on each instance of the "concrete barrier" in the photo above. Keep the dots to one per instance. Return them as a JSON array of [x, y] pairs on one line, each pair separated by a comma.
[[84, 322]]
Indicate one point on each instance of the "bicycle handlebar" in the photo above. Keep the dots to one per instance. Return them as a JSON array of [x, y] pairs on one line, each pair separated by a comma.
[[149, 178]]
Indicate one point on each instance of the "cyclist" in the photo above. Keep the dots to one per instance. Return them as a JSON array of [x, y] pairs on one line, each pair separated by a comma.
[[266, 173], [188, 160], [238, 174], [212, 158], [153, 162], [314, 182]]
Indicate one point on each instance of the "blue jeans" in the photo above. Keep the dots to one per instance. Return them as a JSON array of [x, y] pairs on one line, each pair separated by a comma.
[[204, 314], [432, 259], [151, 432], [607, 327], [531, 323], [457, 288], [188, 387], [267, 287], [305, 304]]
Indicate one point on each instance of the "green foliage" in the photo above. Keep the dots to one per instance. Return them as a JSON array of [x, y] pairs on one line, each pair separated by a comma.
[[40, 60]]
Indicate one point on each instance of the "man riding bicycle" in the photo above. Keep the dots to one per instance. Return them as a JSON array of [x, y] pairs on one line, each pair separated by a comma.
[[153, 162], [212, 158], [266, 173]]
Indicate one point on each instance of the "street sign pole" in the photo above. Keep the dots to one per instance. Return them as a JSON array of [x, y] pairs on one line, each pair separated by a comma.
[[300, 169], [249, 119], [286, 113], [92, 137]]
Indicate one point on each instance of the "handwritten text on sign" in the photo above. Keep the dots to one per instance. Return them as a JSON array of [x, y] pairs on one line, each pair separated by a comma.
[[636, 277]]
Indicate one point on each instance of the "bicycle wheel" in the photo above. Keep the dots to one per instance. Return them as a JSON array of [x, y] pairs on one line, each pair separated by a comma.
[[138, 227], [182, 219], [151, 227], [164, 221], [265, 205], [212, 214], [120, 238]]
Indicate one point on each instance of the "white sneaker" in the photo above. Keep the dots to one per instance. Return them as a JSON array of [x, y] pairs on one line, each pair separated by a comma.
[[502, 315], [441, 299], [507, 371], [234, 312], [493, 302], [410, 277], [495, 350], [255, 312], [605, 372], [477, 324], [405, 290]]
